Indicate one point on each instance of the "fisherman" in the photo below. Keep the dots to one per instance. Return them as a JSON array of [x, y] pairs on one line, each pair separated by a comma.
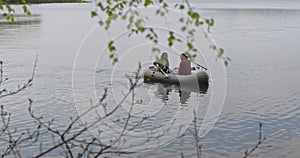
[[163, 63], [185, 65]]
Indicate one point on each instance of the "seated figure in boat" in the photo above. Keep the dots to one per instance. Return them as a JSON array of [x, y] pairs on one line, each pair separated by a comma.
[[163, 63], [185, 65]]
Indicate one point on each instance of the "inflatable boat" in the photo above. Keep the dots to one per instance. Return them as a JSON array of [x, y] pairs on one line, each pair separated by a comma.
[[196, 78]]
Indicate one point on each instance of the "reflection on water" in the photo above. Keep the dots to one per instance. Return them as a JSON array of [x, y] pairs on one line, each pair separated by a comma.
[[184, 92], [21, 19], [184, 96], [163, 92]]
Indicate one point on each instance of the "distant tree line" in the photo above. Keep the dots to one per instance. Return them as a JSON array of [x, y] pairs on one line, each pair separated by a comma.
[[42, 1]]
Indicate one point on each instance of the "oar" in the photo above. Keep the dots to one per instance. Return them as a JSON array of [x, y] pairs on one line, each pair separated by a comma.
[[161, 71]]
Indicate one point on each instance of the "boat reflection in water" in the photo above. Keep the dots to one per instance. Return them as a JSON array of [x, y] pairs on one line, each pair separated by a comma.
[[184, 91], [184, 96]]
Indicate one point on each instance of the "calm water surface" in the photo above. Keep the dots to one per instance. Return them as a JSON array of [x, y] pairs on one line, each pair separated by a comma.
[[262, 79]]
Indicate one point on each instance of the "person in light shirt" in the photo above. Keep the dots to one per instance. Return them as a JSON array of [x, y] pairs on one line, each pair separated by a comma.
[[163, 63]]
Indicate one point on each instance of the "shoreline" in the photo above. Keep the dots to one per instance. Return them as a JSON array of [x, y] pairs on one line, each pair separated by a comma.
[[197, 5], [29, 2]]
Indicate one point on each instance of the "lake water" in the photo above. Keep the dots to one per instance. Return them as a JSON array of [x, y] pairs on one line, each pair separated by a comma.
[[262, 78]]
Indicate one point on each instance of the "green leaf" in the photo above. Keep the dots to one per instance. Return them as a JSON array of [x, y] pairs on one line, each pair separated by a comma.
[[131, 19], [183, 28], [111, 46], [113, 16], [191, 57], [191, 32], [181, 7], [193, 15], [1, 5], [165, 5], [226, 63], [190, 13], [153, 32], [100, 5], [12, 18], [101, 22], [220, 53], [148, 35], [207, 21], [93, 14], [181, 19], [9, 9], [115, 60], [141, 29], [108, 2], [212, 22], [198, 22], [158, 11], [28, 13], [171, 38], [111, 56], [138, 23], [154, 49], [7, 17], [170, 41], [190, 45], [214, 47], [24, 8], [147, 3]]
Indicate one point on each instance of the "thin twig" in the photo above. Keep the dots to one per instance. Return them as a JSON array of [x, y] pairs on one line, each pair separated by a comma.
[[198, 146], [25, 85], [259, 142]]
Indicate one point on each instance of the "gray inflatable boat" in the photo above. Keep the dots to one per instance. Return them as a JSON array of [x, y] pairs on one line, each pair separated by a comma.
[[196, 78]]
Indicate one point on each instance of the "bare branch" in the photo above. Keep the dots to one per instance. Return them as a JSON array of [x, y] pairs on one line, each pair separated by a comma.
[[257, 145], [20, 88]]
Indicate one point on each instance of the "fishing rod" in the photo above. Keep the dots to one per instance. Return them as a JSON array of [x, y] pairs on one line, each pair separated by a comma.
[[198, 65]]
